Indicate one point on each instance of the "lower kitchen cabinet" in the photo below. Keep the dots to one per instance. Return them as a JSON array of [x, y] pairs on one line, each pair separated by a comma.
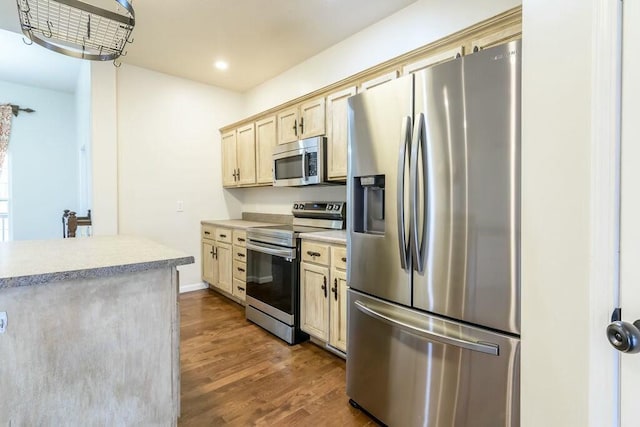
[[323, 294], [224, 259], [314, 301], [217, 257], [224, 263], [338, 312]]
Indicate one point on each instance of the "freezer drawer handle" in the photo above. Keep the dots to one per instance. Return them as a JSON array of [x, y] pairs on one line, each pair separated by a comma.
[[487, 348]]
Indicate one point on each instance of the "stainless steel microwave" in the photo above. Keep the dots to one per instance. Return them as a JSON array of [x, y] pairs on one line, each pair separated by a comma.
[[299, 163]]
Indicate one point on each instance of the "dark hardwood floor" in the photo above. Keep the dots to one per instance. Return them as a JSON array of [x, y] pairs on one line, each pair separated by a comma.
[[235, 373]]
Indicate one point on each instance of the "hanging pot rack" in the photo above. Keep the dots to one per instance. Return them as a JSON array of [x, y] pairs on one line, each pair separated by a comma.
[[78, 29]]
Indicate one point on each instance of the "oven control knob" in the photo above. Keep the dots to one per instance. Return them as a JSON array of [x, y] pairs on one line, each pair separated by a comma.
[[336, 207], [329, 207], [295, 206], [301, 206]]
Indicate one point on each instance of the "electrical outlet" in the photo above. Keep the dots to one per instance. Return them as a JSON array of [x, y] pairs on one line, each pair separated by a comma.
[[3, 321], [179, 206]]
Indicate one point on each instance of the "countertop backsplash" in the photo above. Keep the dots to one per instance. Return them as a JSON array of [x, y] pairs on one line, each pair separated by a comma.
[[267, 217]]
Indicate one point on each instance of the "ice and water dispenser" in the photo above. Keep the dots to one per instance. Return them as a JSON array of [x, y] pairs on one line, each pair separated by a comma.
[[369, 204]]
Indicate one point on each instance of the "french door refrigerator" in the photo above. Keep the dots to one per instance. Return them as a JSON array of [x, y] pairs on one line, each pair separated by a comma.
[[433, 244]]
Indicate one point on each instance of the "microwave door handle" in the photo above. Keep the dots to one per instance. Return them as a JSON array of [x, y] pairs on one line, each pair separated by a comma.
[[305, 166]]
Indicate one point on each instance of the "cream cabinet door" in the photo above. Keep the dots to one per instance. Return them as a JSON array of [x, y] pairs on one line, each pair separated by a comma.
[[208, 263], [499, 36], [288, 125], [314, 300], [312, 118], [229, 159], [427, 62], [377, 81], [266, 140], [338, 310], [337, 133], [225, 265], [246, 155]]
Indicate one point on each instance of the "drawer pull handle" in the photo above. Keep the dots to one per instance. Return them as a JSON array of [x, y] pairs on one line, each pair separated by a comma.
[[240, 269], [344, 259], [223, 236], [240, 288], [207, 233], [313, 254], [241, 255], [240, 239]]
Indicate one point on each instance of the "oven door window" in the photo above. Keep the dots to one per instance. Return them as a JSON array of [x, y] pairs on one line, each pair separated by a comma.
[[271, 279], [288, 167]]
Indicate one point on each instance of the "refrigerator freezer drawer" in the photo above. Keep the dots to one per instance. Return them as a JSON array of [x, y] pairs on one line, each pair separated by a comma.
[[408, 368]]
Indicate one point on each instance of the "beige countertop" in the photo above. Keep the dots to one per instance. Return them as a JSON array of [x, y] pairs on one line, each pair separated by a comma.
[[26, 263], [331, 236], [235, 223]]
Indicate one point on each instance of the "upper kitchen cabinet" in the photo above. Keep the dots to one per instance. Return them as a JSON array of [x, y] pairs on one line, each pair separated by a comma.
[[304, 120], [500, 35], [337, 133], [266, 139], [434, 59], [239, 157], [378, 80], [229, 159]]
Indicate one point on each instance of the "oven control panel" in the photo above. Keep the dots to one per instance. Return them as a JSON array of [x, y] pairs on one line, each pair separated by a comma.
[[319, 209]]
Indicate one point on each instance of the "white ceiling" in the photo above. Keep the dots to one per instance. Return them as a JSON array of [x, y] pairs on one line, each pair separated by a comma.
[[258, 38]]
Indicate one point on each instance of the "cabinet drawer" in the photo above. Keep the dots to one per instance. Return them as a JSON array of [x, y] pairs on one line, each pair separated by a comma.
[[239, 270], [223, 235], [315, 252], [239, 253], [239, 289], [339, 257], [208, 231], [239, 237]]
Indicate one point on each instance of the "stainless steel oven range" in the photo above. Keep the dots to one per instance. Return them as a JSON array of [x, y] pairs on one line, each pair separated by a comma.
[[273, 267]]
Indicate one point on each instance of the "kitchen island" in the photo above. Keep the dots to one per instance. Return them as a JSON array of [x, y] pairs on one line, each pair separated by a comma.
[[92, 332]]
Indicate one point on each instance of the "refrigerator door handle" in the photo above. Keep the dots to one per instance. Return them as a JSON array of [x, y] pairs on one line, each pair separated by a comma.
[[405, 137], [488, 348], [418, 142]]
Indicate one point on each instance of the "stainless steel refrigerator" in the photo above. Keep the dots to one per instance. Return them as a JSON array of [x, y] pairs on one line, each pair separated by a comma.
[[433, 244]]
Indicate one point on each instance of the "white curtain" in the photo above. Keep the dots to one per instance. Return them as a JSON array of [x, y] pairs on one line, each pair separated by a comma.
[[5, 130]]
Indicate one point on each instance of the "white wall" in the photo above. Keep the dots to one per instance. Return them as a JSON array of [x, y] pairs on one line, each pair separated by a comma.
[[568, 369], [104, 149], [169, 151], [83, 123], [410, 28], [43, 161]]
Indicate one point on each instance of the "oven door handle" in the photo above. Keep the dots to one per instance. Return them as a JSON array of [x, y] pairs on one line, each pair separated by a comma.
[[284, 253]]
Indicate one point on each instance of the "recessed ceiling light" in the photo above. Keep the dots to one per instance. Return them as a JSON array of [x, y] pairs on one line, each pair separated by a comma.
[[221, 65]]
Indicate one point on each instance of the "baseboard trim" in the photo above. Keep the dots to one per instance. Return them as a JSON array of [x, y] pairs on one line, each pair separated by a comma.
[[193, 287]]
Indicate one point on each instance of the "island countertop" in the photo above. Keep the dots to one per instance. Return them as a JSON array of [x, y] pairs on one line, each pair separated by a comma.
[[27, 263]]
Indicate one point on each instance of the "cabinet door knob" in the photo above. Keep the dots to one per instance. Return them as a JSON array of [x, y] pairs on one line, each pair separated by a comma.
[[301, 125], [344, 259], [324, 286], [295, 127], [335, 289]]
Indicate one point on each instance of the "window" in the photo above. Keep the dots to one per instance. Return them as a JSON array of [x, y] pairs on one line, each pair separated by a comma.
[[4, 201]]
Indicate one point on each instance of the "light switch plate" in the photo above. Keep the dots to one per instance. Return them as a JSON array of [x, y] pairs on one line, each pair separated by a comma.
[[3, 321]]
